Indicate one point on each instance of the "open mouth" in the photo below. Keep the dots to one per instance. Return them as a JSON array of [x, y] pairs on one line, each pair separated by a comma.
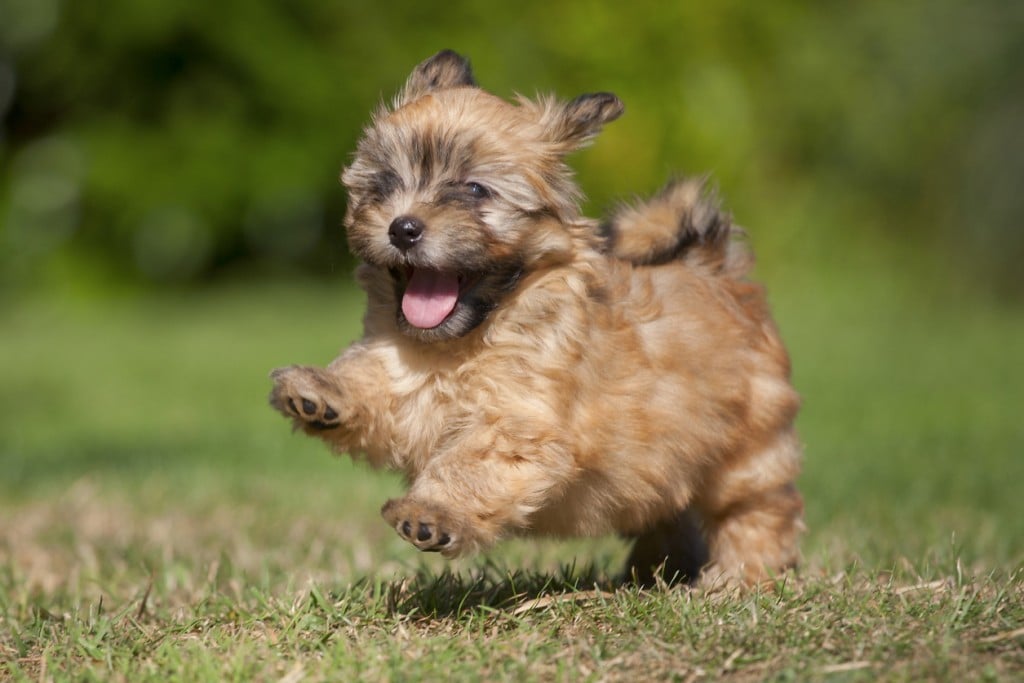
[[431, 296], [436, 304]]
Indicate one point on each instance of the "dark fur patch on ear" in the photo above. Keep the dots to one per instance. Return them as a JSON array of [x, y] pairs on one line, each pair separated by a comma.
[[584, 116], [594, 109], [446, 69]]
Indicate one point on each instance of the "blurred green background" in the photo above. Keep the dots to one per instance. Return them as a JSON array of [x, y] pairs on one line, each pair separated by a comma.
[[147, 141], [170, 226]]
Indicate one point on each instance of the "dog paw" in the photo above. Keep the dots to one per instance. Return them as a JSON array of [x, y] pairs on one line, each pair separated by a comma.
[[307, 395], [426, 526]]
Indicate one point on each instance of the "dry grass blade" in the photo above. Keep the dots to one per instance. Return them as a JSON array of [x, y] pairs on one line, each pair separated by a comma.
[[296, 674], [1000, 637], [845, 666], [548, 600], [731, 660], [938, 585]]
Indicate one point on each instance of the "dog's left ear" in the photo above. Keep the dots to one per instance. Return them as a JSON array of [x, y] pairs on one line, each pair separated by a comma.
[[446, 69], [574, 124]]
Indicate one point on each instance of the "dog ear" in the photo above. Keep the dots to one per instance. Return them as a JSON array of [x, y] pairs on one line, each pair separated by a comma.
[[446, 69], [574, 124]]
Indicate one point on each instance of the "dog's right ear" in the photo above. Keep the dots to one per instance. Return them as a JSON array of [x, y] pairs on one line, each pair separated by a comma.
[[446, 69]]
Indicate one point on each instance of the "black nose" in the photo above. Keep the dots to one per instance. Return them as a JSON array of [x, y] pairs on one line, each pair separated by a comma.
[[405, 231]]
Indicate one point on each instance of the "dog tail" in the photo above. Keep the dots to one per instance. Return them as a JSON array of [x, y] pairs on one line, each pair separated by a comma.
[[683, 222]]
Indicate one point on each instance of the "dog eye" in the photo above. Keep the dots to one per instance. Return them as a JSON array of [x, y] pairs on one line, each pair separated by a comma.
[[477, 191]]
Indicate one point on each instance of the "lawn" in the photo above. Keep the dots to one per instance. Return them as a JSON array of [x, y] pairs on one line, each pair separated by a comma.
[[159, 522]]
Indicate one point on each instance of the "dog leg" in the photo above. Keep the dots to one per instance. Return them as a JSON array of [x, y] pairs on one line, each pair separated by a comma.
[[468, 498], [344, 404], [753, 515], [673, 550]]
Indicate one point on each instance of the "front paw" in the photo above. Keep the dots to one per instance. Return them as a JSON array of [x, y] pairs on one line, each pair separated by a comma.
[[427, 526], [307, 395]]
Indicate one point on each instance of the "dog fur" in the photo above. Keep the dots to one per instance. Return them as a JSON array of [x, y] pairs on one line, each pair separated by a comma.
[[623, 377]]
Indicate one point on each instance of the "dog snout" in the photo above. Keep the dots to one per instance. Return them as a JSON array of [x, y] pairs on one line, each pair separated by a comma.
[[405, 231]]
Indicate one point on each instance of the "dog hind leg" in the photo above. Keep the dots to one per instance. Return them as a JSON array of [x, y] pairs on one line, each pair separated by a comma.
[[753, 515], [673, 550]]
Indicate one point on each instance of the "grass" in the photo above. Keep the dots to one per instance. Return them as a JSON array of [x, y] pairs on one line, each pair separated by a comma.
[[159, 522]]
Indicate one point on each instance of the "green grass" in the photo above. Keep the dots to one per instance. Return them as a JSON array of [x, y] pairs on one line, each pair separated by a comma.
[[159, 522]]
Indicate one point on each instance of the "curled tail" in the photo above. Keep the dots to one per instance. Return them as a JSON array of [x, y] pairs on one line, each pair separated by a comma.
[[683, 222]]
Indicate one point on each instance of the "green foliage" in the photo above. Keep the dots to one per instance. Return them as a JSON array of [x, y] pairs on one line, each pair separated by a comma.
[[173, 141]]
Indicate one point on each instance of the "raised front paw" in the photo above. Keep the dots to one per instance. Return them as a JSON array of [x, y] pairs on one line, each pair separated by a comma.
[[427, 526], [308, 395]]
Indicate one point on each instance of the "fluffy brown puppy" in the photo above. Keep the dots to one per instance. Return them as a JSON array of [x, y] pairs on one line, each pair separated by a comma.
[[533, 372]]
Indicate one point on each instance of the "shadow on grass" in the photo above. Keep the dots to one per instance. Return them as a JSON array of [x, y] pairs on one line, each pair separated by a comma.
[[483, 589]]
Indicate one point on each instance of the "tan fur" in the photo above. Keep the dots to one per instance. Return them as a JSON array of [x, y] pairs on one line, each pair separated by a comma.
[[631, 383]]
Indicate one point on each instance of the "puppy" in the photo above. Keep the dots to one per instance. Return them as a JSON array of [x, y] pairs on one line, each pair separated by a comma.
[[531, 371]]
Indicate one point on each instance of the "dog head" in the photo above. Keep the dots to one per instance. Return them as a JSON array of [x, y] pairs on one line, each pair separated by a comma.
[[454, 194]]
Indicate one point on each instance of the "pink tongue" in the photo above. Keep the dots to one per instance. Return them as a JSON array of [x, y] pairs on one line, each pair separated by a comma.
[[430, 297]]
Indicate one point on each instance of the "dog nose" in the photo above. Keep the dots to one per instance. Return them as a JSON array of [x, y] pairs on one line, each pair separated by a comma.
[[405, 231]]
